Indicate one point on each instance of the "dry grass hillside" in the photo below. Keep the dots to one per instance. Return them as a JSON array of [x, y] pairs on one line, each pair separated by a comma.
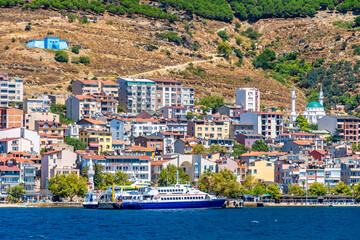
[[119, 46]]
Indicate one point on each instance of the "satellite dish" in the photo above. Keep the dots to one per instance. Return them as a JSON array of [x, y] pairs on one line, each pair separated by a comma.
[[127, 127]]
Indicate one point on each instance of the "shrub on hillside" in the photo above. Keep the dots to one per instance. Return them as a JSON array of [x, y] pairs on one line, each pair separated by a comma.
[[85, 60], [75, 49], [61, 56]]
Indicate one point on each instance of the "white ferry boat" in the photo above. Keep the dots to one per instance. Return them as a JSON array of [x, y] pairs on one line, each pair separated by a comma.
[[176, 196]]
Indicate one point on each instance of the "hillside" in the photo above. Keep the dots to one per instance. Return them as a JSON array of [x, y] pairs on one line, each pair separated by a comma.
[[133, 46]]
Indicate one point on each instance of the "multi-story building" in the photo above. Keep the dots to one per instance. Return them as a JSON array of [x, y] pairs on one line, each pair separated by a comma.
[[27, 174], [11, 90], [248, 139], [84, 87], [209, 129], [177, 126], [58, 98], [40, 104], [177, 112], [268, 124], [348, 127], [263, 170], [233, 112], [248, 99], [33, 136], [108, 103], [31, 118], [350, 170], [154, 142], [187, 97], [82, 106], [10, 177], [168, 93], [137, 95], [16, 144], [125, 129], [138, 165], [97, 140], [57, 162], [11, 118], [50, 127]]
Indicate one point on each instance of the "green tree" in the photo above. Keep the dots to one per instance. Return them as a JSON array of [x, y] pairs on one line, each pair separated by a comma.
[[239, 149], [265, 59], [296, 191], [78, 145], [357, 21], [15, 193], [224, 36], [356, 189], [75, 49], [98, 176], [260, 146], [212, 101], [218, 148], [224, 48], [341, 189], [168, 176], [252, 186], [199, 149], [302, 122], [190, 115], [317, 189], [274, 191], [225, 184], [61, 56], [120, 109], [206, 181], [84, 60], [63, 186]]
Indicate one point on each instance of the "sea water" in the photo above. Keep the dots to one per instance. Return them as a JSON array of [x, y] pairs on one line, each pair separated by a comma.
[[247, 223]]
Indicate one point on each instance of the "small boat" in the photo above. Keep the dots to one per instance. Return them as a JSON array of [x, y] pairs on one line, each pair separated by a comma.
[[93, 198], [174, 197]]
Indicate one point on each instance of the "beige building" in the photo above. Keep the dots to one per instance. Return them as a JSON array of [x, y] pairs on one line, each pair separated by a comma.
[[57, 162], [82, 106], [58, 98], [83, 87], [39, 104], [31, 118], [11, 90], [207, 129], [263, 170]]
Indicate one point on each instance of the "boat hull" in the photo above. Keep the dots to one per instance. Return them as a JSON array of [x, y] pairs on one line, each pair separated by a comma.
[[90, 205], [215, 203]]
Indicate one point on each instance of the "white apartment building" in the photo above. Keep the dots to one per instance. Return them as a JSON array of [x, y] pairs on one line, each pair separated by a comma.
[[11, 90], [136, 95], [82, 106], [187, 97], [125, 129], [39, 104], [31, 118], [33, 136], [268, 124], [248, 98]]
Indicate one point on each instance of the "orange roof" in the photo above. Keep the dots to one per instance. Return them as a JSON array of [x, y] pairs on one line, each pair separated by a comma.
[[35, 157], [81, 97], [303, 143], [159, 162], [139, 148], [200, 106], [92, 121], [108, 82], [115, 141], [51, 152], [98, 157], [23, 160], [256, 154], [89, 81], [21, 153]]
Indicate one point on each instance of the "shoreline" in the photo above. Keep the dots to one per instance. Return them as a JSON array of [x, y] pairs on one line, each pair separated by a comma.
[[246, 205]]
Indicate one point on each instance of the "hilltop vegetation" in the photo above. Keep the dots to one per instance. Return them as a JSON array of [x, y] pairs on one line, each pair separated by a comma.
[[222, 10]]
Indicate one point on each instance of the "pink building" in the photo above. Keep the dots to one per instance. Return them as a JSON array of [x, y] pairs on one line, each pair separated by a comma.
[[248, 139]]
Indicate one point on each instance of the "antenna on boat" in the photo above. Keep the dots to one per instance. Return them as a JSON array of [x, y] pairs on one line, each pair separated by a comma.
[[177, 177]]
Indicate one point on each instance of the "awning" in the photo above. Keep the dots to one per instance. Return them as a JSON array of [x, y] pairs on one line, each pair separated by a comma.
[[94, 145], [266, 195]]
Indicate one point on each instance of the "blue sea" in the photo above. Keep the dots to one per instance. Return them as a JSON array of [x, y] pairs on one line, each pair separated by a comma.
[[247, 223]]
